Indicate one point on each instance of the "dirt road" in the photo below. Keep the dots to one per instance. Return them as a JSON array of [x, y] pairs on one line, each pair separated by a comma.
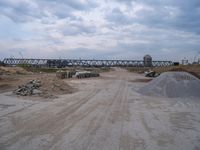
[[105, 114]]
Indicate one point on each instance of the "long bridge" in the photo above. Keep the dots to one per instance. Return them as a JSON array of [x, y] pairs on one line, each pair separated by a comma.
[[85, 62]]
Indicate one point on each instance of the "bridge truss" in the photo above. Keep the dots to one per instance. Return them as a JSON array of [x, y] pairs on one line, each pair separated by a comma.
[[85, 63]]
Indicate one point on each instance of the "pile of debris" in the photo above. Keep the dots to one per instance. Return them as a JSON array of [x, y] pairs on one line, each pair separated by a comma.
[[86, 74], [77, 74], [30, 88], [151, 74], [173, 85], [65, 74]]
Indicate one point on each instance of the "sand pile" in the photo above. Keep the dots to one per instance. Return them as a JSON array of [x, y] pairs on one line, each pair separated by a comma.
[[46, 86], [173, 85], [55, 86]]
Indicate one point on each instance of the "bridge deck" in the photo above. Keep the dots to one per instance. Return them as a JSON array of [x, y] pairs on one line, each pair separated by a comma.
[[86, 63]]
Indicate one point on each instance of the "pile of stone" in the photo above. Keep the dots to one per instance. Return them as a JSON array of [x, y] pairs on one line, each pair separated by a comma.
[[78, 74], [65, 74], [30, 88], [86, 74], [173, 85]]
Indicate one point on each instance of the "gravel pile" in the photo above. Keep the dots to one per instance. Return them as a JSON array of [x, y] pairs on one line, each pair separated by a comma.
[[30, 88], [173, 85]]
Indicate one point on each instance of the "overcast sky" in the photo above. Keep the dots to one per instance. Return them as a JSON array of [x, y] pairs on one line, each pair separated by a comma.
[[100, 29]]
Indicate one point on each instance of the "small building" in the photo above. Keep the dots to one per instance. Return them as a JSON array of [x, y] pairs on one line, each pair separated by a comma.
[[147, 61], [185, 61]]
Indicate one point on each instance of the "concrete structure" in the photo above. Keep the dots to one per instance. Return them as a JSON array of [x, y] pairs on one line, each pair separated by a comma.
[[147, 61]]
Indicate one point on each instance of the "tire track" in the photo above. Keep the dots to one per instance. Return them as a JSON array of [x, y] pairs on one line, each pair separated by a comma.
[[87, 137], [44, 122]]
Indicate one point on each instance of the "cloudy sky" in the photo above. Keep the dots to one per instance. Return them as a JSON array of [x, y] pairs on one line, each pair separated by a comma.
[[100, 29]]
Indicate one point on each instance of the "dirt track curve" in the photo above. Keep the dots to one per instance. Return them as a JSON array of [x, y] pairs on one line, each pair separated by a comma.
[[105, 114]]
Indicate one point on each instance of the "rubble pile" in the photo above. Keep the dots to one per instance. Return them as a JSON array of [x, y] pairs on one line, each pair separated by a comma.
[[151, 74], [77, 74], [65, 74], [86, 74], [30, 88]]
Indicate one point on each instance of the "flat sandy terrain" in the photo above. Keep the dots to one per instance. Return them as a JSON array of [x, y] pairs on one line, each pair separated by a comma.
[[105, 113]]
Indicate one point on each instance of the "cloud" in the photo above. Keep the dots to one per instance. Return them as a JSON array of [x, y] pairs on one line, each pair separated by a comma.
[[179, 14], [118, 17], [78, 28], [20, 11], [125, 29], [28, 10], [75, 4]]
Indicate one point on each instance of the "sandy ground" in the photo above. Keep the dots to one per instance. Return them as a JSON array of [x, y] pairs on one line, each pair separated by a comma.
[[51, 86], [105, 114]]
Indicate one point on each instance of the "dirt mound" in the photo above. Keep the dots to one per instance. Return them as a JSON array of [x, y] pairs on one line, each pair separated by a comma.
[[13, 70], [173, 85], [7, 83], [47, 86], [53, 86]]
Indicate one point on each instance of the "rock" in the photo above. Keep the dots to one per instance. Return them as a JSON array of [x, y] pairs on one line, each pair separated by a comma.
[[151, 74], [30, 88], [37, 92]]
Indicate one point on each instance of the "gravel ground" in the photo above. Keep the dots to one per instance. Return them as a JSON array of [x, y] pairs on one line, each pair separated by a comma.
[[105, 114]]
